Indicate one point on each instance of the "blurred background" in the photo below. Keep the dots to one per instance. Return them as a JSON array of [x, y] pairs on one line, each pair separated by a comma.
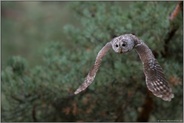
[[27, 26], [49, 47]]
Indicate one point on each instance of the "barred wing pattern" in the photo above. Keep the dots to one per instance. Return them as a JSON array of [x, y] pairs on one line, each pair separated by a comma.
[[155, 78], [156, 81], [92, 73]]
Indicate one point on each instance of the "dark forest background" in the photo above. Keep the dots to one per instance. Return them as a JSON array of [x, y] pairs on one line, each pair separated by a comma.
[[49, 47]]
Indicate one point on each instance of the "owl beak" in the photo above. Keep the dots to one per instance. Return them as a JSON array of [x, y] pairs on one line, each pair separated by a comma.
[[120, 50]]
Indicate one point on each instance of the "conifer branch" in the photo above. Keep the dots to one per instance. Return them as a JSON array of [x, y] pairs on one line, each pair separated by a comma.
[[175, 12]]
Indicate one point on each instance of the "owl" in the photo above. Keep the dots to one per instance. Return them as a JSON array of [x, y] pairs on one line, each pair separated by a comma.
[[155, 78]]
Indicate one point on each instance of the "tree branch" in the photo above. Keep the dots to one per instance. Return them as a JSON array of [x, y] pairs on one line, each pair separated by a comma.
[[175, 12], [146, 108]]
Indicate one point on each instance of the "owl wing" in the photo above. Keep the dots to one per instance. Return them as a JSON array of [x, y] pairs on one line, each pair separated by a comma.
[[92, 73], [155, 78], [156, 81]]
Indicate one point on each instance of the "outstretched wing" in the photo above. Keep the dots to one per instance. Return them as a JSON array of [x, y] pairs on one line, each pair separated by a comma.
[[92, 73], [156, 81]]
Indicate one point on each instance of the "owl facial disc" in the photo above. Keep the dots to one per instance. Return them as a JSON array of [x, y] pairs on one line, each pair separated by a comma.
[[122, 44]]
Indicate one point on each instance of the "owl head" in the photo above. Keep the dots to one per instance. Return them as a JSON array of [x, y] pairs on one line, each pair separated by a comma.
[[122, 44]]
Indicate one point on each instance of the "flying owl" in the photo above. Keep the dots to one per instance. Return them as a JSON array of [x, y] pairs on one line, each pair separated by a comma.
[[155, 79]]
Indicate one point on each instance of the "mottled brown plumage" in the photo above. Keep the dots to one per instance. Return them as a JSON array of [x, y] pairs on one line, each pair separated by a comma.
[[155, 79], [92, 73]]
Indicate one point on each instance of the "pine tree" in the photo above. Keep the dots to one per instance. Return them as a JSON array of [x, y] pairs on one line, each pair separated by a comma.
[[119, 93]]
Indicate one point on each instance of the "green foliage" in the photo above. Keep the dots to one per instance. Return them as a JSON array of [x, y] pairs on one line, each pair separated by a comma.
[[45, 92], [17, 64]]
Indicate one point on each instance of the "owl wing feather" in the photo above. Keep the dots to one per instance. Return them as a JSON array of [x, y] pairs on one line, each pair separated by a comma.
[[156, 81], [155, 78], [92, 73]]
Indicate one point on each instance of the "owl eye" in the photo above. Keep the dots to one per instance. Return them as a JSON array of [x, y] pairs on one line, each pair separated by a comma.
[[116, 45], [124, 44]]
